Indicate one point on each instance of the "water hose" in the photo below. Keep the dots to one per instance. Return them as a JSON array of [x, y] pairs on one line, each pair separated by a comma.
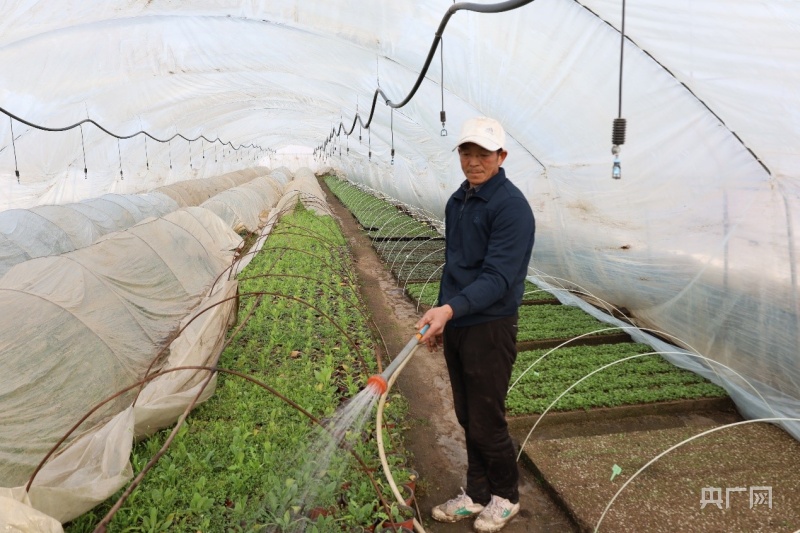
[[383, 382]]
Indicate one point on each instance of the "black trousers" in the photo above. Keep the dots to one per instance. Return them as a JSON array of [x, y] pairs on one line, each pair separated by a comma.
[[479, 361]]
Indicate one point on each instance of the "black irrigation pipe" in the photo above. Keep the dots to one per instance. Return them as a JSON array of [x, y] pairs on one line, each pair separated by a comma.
[[499, 7], [123, 137]]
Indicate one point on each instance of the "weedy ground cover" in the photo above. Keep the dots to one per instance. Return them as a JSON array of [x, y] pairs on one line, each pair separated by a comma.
[[236, 465], [645, 379]]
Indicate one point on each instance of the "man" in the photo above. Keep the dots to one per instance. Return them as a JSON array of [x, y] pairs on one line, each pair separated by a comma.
[[489, 230]]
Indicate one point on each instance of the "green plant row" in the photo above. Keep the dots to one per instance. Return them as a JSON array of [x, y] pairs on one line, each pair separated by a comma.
[[428, 293], [237, 464], [391, 249], [407, 253], [540, 322], [396, 258], [645, 379], [381, 219], [418, 271]]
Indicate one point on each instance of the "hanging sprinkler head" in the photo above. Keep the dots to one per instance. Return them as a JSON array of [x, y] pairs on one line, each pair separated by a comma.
[[379, 382], [617, 140]]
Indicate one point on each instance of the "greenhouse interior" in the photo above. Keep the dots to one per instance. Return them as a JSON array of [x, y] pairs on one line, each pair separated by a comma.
[[222, 220]]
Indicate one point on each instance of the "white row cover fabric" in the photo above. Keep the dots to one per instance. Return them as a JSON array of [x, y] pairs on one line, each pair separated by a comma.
[[95, 319], [243, 207], [197, 191], [282, 175], [306, 189], [97, 464], [55, 229]]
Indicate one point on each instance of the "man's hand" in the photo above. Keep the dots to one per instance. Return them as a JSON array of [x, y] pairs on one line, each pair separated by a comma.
[[436, 318]]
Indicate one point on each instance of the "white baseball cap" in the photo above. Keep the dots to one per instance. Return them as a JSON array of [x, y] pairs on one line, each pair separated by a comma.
[[483, 131]]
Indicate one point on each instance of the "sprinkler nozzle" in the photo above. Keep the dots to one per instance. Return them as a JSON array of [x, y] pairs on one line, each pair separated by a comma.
[[379, 383]]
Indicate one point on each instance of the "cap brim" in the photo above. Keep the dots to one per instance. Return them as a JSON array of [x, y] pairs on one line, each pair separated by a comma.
[[481, 141]]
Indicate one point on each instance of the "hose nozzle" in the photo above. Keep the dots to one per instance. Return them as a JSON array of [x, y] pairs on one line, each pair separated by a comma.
[[378, 383], [381, 381]]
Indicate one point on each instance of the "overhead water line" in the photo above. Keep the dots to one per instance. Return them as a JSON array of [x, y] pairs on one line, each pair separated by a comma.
[[499, 7], [119, 136], [618, 128], [14, 145]]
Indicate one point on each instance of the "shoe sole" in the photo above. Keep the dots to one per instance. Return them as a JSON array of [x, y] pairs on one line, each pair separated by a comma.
[[496, 528], [449, 519]]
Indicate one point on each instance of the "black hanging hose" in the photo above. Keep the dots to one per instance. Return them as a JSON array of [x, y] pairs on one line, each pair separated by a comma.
[[112, 134], [499, 7], [618, 128]]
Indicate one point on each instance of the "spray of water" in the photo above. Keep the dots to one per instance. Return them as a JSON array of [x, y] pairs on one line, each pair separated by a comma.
[[321, 464]]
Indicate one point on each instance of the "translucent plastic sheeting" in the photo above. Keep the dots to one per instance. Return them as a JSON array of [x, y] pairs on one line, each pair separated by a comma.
[[244, 207], [698, 239], [95, 319], [97, 464], [195, 192], [306, 189], [282, 175], [56, 229]]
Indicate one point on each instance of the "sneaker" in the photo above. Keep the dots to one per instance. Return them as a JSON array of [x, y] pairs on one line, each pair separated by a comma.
[[456, 509], [496, 515]]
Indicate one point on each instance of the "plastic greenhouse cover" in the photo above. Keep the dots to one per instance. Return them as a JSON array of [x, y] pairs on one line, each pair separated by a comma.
[[698, 239], [242, 207], [197, 191], [96, 319], [305, 189], [56, 229]]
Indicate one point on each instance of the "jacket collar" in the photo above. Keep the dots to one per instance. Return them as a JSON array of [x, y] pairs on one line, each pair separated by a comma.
[[485, 190]]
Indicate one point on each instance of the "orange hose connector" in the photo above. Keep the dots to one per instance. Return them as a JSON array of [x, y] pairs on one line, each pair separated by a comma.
[[378, 382]]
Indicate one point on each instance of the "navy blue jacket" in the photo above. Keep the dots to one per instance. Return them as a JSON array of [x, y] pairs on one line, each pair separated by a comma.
[[488, 240]]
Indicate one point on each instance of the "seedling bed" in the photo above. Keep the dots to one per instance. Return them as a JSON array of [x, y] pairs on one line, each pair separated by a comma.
[[554, 322], [416, 234], [391, 254], [645, 379], [419, 270], [414, 290], [238, 458], [379, 218], [409, 247], [397, 259]]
